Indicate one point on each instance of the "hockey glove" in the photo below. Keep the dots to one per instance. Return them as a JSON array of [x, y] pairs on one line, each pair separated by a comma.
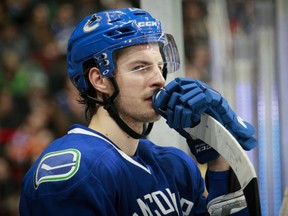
[[183, 100], [229, 204]]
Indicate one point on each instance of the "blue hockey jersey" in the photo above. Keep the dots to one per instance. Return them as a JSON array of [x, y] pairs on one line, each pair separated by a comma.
[[84, 174]]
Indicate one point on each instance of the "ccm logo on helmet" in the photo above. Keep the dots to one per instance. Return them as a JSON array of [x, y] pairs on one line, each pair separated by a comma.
[[142, 24]]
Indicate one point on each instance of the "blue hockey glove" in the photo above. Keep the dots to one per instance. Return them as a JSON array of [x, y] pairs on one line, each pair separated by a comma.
[[202, 151], [171, 103], [183, 100]]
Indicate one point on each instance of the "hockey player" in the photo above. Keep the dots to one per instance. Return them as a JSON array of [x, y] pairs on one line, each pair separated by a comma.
[[117, 59]]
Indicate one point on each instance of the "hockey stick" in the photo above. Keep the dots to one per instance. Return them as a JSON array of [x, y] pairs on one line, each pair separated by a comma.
[[284, 207], [219, 138]]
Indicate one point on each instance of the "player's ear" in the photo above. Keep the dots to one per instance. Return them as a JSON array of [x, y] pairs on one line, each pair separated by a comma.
[[100, 83]]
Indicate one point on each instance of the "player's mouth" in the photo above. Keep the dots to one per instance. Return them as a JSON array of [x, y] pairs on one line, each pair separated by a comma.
[[148, 98]]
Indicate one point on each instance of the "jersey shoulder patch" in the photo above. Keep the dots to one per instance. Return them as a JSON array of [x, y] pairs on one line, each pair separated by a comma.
[[57, 166]]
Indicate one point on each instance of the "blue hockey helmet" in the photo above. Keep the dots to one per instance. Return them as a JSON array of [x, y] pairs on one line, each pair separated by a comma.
[[99, 35]]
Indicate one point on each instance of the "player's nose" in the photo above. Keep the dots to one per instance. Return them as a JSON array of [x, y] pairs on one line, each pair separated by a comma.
[[158, 78]]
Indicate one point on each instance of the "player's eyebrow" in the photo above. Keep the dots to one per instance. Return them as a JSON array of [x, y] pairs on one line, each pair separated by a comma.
[[144, 62]]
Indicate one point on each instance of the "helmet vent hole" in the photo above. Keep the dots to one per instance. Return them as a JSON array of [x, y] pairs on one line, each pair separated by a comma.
[[115, 20], [140, 13], [119, 33]]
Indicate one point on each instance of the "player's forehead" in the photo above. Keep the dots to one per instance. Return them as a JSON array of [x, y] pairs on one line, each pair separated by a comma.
[[142, 51]]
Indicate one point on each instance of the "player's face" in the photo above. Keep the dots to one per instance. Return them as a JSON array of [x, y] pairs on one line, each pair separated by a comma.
[[138, 74]]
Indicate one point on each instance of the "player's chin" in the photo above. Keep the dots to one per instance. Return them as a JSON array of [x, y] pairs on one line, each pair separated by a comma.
[[151, 110], [154, 116], [157, 117]]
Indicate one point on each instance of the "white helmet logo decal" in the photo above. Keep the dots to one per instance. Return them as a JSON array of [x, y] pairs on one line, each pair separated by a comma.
[[92, 24]]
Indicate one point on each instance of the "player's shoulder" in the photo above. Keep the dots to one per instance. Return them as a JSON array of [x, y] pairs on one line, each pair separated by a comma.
[[80, 141], [175, 163], [166, 154], [70, 159], [148, 146]]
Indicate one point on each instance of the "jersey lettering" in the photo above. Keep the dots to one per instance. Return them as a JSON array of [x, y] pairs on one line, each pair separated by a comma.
[[165, 204], [186, 206]]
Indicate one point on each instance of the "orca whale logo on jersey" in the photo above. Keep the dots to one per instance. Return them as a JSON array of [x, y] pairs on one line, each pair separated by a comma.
[[92, 23], [57, 166]]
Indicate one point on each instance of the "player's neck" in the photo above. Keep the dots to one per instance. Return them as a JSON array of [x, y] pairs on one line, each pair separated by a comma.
[[104, 124]]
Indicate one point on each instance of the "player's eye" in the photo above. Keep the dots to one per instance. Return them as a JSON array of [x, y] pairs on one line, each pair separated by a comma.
[[141, 68], [161, 66]]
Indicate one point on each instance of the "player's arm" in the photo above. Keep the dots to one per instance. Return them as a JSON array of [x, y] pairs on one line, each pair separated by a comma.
[[217, 177], [80, 200], [182, 102]]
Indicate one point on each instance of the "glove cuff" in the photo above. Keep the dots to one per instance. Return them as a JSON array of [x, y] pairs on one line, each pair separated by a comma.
[[227, 204]]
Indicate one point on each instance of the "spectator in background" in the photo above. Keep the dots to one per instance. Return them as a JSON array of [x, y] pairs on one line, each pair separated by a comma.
[[12, 74], [55, 52], [9, 188], [195, 25], [15, 75], [198, 66], [55, 67], [63, 25], [18, 10], [196, 39], [116, 3], [33, 81], [11, 39], [84, 7], [30, 138], [12, 112], [38, 29], [68, 110]]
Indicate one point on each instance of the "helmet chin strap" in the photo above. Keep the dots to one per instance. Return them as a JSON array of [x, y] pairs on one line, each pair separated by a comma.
[[108, 104]]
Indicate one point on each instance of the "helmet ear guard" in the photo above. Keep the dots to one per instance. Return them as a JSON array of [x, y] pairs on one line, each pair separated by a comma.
[[88, 93]]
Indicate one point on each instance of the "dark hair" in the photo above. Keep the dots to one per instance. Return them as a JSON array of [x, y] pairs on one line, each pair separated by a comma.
[[85, 97], [90, 105]]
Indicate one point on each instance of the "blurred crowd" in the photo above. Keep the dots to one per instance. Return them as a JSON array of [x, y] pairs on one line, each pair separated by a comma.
[[196, 39], [37, 101]]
